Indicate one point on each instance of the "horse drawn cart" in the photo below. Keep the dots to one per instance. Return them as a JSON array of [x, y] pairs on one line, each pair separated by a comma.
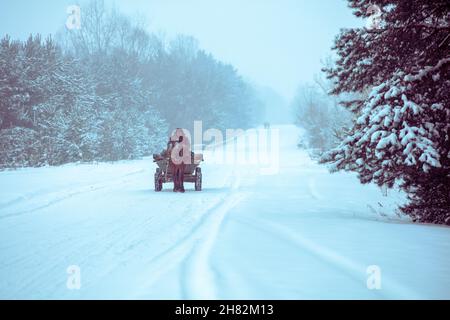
[[164, 174]]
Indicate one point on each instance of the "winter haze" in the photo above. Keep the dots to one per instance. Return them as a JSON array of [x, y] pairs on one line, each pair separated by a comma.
[[225, 149], [269, 41]]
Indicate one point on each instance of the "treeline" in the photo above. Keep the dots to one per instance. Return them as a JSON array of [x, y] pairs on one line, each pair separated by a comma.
[[325, 122], [110, 91]]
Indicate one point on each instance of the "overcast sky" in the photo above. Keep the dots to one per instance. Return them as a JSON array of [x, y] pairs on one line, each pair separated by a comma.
[[276, 43]]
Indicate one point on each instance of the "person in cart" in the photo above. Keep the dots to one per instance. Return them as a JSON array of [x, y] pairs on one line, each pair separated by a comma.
[[179, 152]]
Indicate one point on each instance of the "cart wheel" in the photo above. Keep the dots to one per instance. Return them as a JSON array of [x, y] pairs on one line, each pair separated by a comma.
[[198, 179], [158, 180]]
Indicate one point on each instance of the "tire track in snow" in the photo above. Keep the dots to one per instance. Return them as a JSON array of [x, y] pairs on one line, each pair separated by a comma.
[[192, 251], [197, 277], [178, 252], [390, 287], [44, 192], [63, 195]]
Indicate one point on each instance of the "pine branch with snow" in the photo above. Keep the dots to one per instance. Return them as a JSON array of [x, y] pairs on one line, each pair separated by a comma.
[[401, 134]]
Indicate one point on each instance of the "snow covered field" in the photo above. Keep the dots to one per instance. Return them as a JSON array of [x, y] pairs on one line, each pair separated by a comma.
[[300, 234]]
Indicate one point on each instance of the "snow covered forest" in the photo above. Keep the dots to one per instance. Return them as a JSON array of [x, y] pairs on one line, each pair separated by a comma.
[[110, 91]]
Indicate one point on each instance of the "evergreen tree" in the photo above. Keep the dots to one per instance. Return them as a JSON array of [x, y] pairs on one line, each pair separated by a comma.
[[401, 135], [12, 92]]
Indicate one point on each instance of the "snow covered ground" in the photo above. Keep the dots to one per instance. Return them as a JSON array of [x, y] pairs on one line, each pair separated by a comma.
[[300, 234]]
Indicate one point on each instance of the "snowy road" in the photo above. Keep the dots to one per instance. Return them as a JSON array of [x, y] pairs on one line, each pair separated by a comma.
[[302, 233]]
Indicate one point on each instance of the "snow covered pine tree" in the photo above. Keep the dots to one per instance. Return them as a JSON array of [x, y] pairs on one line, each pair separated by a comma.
[[401, 131]]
